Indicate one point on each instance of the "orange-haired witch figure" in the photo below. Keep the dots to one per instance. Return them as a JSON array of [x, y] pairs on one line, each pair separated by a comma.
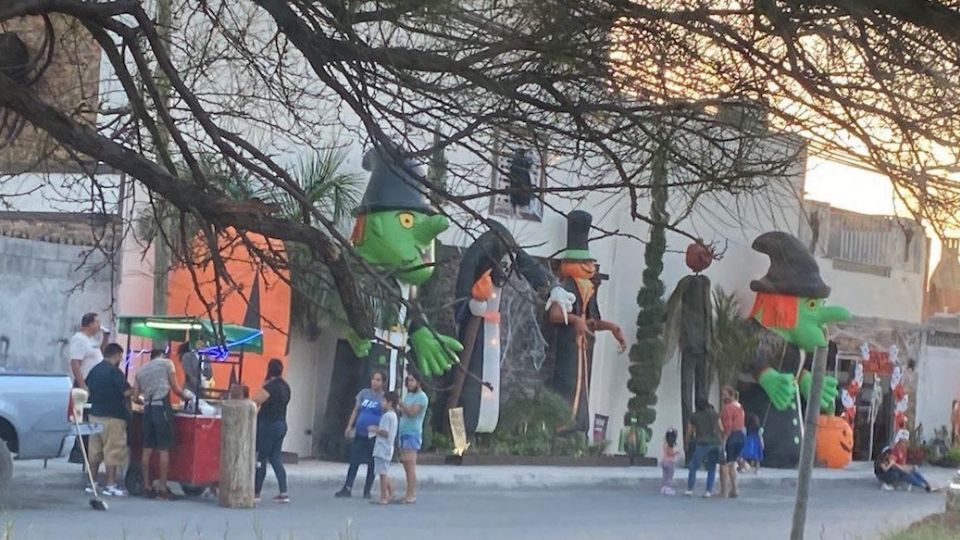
[[572, 336], [790, 318]]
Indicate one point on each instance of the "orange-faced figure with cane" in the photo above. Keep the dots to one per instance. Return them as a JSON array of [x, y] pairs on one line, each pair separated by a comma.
[[574, 330]]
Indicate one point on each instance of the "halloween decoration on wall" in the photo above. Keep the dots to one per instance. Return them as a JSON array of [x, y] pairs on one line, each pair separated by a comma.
[[901, 399], [521, 183], [689, 327], [484, 269], [834, 441], [24, 67], [395, 231], [790, 319], [572, 338], [848, 396], [254, 294]]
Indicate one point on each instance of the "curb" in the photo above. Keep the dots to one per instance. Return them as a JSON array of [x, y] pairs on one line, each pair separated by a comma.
[[536, 483]]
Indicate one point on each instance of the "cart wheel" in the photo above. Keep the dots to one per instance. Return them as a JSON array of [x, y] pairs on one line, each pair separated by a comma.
[[192, 491], [134, 480]]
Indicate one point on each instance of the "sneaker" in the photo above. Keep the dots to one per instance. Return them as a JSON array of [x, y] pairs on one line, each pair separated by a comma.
[[688, 493], [114, 491], [667, 490], [886, 487], [707, 495], [367, 496], [89, 490], [343, 494], [283, 498]]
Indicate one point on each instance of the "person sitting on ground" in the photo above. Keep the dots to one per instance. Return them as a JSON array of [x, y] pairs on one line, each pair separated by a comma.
[[386, 433], [109, 392], [890, 474], [152, 386]]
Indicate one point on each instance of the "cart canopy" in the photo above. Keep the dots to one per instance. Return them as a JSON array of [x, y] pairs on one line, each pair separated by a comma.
[[170, 328]]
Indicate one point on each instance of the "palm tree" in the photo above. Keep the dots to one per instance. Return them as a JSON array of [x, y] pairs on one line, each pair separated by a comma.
[[733, 341], [329, 190]]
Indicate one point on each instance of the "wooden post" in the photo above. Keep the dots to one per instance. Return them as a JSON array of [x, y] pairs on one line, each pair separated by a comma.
[[238, 436], [953, 495], [809, 444]]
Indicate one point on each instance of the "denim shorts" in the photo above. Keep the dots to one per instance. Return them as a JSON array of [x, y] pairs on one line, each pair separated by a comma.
[[410, 441]]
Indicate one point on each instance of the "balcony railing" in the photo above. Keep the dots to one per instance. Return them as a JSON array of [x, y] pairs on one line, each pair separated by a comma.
[[864, 243]]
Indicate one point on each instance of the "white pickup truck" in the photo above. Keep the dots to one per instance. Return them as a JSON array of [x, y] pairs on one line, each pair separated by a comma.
[[34, 419]]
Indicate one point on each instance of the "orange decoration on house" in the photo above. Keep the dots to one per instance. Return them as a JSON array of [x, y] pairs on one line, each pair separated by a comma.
[[254, 296], [834, 441]]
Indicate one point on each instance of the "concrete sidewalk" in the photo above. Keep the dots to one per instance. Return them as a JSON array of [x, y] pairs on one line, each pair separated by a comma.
[[537, 477]]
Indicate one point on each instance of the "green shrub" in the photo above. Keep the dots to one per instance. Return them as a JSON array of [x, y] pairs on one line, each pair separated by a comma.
[[533, 426]]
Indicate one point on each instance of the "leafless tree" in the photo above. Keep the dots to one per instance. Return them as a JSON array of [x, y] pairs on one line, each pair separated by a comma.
[[723, 88]]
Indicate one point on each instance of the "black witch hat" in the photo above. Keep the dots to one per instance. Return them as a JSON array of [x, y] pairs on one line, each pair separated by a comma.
[[793, 269], [395, 183], [578, 237]]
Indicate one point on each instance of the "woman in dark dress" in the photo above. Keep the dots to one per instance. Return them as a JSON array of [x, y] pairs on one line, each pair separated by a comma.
[[272, 428]]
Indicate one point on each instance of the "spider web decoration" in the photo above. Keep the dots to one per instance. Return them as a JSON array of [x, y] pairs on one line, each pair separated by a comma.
[[523, 347], [17, 63]]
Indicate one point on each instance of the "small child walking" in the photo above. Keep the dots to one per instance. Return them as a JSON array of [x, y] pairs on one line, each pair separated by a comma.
[[668, 463], [752, 453], [386, 434]]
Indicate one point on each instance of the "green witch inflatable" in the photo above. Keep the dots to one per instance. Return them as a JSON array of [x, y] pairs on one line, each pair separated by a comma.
[[790, 318], [395, 231]]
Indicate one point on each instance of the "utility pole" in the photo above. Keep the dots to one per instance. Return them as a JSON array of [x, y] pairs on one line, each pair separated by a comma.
[[161, 251], [809, 444]]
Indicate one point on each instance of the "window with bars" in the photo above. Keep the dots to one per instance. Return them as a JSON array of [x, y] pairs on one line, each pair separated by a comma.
[[518, 180]]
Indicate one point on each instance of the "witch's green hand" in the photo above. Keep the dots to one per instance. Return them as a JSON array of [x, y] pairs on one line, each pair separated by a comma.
[[829, 394], [781, 388], [361, 347], [435, 353]]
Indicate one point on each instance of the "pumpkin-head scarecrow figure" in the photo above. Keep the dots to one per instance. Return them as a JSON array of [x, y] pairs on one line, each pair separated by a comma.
[[572, 338], [484, 270], [790, 317], [689, 328], [394, 232]]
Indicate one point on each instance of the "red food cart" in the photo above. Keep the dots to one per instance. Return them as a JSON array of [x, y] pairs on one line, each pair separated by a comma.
[[195, 456]]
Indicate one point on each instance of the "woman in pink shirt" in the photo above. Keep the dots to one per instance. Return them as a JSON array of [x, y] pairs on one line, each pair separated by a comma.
[[734, 436]]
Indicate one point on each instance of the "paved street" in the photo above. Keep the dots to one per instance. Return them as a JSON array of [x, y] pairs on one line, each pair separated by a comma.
[[50, 505]]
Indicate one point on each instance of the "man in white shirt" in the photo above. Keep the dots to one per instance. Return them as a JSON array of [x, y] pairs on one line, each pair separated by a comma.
[[86, 348]]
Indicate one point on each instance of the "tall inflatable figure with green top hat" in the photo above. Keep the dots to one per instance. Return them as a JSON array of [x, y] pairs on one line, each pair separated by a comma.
[[790, 318], [395, 231], [573, 332]]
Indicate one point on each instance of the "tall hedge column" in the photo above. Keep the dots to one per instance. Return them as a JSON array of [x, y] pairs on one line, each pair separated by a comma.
[[646, 356]]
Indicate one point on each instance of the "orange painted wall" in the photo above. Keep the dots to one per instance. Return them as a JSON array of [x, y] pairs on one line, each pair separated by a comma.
[[243, 269]]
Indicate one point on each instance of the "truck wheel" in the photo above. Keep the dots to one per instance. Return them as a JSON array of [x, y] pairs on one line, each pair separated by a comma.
[[6, 467], [134, 480]]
